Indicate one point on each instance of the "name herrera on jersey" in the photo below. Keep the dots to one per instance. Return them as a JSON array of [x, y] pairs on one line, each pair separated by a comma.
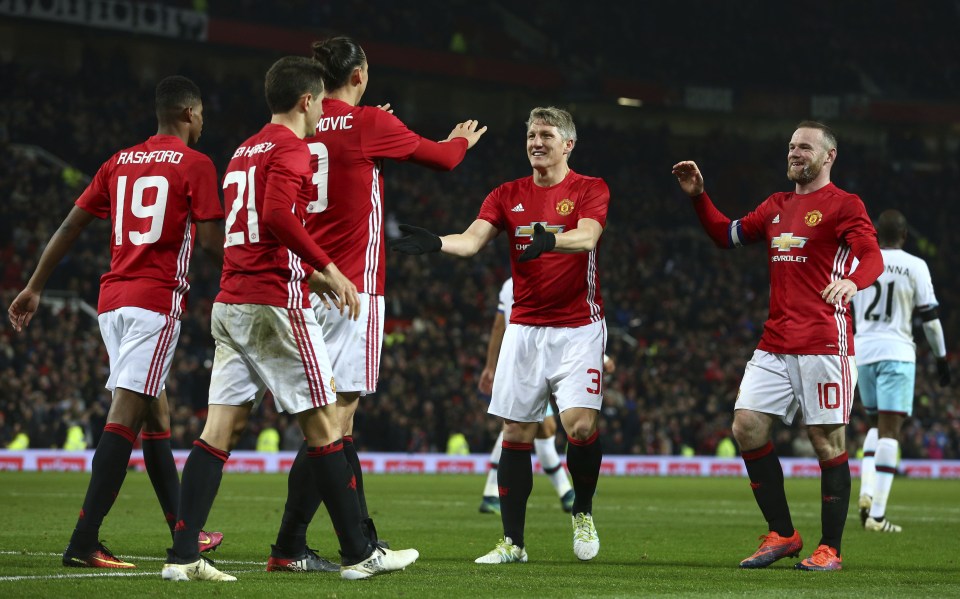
[[788, 258], [257, 149], [150, 157]]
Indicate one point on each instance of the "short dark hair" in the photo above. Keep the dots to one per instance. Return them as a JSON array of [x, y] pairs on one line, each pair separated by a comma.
[[288, 79], [173, 95], [828, 137], [891, 227], [339, 56]]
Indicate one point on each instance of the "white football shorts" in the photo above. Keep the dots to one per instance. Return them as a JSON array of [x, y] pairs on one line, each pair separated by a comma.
[[354, 346], [265, 347], [140, 344], [536, 362], [821, 387]]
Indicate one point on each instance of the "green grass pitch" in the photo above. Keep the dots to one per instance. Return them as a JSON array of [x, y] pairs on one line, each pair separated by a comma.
[[659, 537]]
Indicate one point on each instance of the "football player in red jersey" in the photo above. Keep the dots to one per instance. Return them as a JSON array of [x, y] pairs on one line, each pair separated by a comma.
[[267, 336], [805, 359], [158, 195], [555, 341], [345, 216]]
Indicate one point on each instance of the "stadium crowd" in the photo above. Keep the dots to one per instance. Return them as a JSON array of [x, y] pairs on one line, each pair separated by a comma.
[[684, 316]]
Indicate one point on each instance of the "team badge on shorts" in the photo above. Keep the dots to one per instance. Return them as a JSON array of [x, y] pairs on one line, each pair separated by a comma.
[[333, 385], [564, 206], [813, 218]]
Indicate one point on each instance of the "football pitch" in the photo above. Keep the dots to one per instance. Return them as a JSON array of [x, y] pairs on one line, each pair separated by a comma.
[[658, 537]]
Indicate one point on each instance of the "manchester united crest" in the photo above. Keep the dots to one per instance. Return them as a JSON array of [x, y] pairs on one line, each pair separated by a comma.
[[813, 218], [564, 206], [333, 385]]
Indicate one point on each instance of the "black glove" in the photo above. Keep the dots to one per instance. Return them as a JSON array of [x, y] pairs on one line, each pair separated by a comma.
[[943, 369], [542, 241], [416, 241]]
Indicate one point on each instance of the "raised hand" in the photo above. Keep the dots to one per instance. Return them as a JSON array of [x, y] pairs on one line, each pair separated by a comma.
[[689, 177], [467, 130]]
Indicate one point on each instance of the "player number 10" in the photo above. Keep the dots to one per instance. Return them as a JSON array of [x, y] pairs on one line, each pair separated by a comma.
[[829, 395]]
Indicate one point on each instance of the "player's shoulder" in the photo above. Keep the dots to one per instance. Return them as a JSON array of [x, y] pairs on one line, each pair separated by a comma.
[[580, 177]]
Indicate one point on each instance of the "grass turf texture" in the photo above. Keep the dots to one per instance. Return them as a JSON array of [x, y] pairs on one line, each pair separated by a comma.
[[659, 537]]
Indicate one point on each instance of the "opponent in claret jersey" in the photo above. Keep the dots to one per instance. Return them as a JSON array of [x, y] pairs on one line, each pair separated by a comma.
[[804, 361], [345, 205], [267, 337], [555, 341], [159, 195]]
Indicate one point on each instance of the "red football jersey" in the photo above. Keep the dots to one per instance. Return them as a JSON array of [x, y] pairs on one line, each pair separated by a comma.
[[257, 267], [152, 192], [811, 240], [555, 290], [346, 195]]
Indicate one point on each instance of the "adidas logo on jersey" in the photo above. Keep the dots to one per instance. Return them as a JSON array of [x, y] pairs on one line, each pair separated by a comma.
[[517, 208], [776, 219]]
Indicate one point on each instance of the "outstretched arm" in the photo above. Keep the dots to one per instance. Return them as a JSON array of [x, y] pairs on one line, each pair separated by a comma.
[[724, 233], [22, 309]]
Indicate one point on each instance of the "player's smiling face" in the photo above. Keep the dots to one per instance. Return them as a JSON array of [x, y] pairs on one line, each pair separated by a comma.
[[806, 155], [545, 146]]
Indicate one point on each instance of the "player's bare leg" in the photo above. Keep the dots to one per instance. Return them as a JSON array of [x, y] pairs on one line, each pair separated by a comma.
[[110, 460], [829, 442], [752, 433], [584, 455]]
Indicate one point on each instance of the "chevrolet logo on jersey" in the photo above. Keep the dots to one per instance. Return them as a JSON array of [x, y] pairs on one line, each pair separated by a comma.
[[786, 242], [527, 230]]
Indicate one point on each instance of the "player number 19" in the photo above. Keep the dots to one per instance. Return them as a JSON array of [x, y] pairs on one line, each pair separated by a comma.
[[138, 209]]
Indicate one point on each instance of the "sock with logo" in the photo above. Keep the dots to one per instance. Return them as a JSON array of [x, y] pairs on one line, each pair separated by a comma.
[[868, 472], [201, 480], [766, 480], [303, 500], [514, 481], [337, 485], [835, 495], [583, 460], [350, 452], [109, 468], [162, 470], [887, 450], [490, 488], [549, 459]]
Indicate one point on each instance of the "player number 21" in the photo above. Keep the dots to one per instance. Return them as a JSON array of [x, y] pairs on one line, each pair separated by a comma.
[[244, 182], [138, 209]]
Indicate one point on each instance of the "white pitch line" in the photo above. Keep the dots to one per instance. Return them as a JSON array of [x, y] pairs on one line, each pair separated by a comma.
[[139, 558], [97, 575]]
